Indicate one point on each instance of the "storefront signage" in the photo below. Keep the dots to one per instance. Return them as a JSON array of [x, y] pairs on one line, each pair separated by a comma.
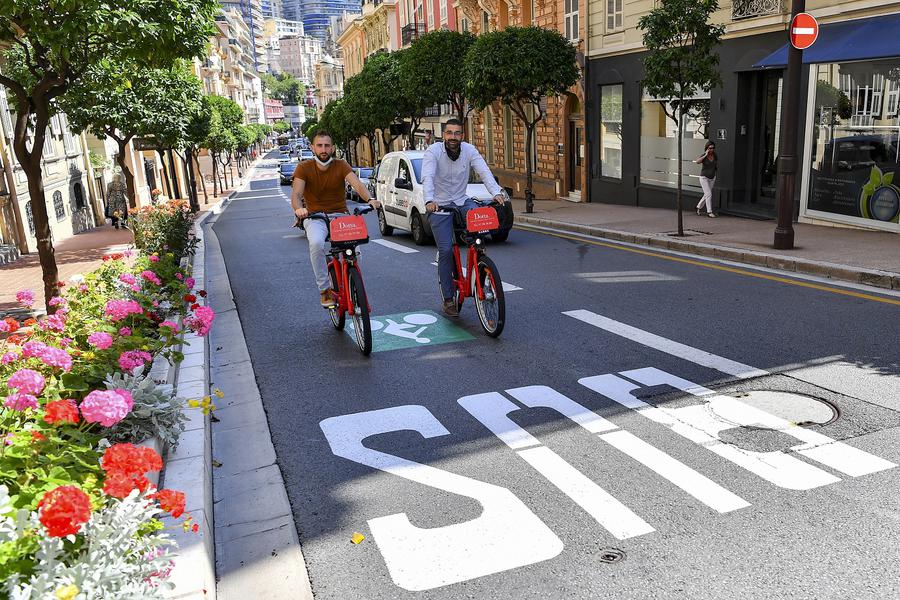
[[804, 31]]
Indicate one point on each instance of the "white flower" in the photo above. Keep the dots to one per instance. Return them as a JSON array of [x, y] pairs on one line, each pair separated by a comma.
[[77, 278]]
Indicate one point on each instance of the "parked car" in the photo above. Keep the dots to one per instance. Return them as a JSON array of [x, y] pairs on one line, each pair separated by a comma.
[[399, 189], [286, 172], [371, 184], [284, 148], [306, 154], [363, 173]]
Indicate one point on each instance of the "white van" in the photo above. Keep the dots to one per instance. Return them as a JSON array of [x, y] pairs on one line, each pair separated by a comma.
[[399, 189]]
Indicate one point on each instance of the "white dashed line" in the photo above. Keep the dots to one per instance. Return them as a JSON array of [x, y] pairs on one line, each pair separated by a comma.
[[394, 246]]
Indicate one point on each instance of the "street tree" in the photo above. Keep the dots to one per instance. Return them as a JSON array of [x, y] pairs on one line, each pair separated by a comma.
[[309, 124], [282, 127], [232, 122], [50, 45], [284, 87], [219, 140], [680, 62], [123, 101], [412, 101], [519, 66], [434, 68], [377, 94], [357, 111]]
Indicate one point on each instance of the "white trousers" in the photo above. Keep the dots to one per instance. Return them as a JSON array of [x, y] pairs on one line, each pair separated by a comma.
[[707, 185], [316, 232]]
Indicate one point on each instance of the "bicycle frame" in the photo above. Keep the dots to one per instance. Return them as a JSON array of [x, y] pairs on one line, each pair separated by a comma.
[[463, 279], [342, 258]]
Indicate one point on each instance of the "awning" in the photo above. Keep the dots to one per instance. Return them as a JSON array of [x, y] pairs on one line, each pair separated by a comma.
[[860, 39]]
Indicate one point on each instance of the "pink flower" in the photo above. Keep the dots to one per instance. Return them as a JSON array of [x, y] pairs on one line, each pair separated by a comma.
[[26, 381], [129, 253], [100, 340], [57, 300], [4, 326], [189, 282], [154, 258], [125, 331], [20, 401], [82, 288], [171, 325], [57, 357], [119, 309], [25, 297], [201, 321], [179, 276], [132, 359], [9, 357], [106, 407], [128, 278], [55, 322], [151, 277], [33, 349], [65, 342]]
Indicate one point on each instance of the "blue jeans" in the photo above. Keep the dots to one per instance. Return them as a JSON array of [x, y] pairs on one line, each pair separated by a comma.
[[442, 229]]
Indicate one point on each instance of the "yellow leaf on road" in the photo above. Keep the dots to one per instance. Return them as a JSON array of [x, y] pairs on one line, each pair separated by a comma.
[[357, 538]]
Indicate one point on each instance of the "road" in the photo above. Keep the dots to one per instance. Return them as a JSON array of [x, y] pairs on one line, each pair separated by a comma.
[[632, 434]]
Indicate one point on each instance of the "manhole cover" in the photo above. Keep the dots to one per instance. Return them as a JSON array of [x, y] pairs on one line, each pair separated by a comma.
[[612, 555], [797, 408]]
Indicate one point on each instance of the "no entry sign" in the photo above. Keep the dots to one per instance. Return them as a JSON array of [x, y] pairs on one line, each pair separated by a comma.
[[804, 31]]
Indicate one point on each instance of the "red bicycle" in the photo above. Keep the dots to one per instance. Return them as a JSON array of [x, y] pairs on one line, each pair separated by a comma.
[[482, 282], [345, 234]]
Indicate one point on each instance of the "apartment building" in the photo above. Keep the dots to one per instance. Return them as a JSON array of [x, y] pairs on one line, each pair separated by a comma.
[[299, 56], [329, 82]]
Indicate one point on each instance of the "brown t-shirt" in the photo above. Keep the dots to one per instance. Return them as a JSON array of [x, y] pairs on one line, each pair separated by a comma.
[[325, 191]]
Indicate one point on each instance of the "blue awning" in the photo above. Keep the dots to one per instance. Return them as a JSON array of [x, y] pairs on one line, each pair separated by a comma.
[[860, 39]]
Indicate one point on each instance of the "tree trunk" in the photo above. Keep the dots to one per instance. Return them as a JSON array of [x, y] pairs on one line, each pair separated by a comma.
[[459, 103], [176, 190], [371, 139], [129, 176], [195, 159], [680, 168], [529, 197], [215, 175], [46, 253]]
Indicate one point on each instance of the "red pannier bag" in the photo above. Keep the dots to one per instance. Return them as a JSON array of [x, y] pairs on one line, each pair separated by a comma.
[[349, 229], [479, 220]]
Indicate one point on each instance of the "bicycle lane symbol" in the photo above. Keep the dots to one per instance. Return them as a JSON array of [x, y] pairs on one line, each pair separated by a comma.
[[409, 330]]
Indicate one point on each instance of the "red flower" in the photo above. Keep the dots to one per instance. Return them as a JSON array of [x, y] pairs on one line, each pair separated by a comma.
[[12, 323], [60, 284], [37, 436], [171, 501], [195, 528], [195, 306], [61, 411], [29, 322], [190, 298], [131, 459], [202, 293], [64, 510], [118, 484], [15, 340]]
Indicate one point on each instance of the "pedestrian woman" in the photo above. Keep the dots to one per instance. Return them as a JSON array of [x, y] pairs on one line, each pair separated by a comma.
[[117, 200], [709, 161]]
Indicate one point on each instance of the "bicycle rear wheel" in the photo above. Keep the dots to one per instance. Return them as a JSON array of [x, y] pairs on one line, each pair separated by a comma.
[[360, 315], [338, 316], [492, 308]]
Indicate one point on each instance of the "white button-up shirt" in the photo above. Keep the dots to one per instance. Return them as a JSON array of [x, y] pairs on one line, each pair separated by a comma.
[[445, 180]]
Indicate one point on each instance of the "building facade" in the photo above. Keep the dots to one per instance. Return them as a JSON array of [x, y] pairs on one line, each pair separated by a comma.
[[239, 77], [299, 56], [274, 111], [849, 131], [329, 82], [317, 14]]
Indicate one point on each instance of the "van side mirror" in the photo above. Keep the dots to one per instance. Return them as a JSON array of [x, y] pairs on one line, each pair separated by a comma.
[[402, 184]]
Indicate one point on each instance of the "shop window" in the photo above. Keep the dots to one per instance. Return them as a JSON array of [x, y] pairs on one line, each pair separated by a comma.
[[509, 139], [659, 141], [614, 14], [489, 134], [855, 150], [611, 131], [58, 206]]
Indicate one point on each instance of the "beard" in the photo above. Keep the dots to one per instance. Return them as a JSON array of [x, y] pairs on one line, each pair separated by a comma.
[[453, 148]]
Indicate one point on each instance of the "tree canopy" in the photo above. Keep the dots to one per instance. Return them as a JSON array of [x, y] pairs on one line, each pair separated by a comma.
[[434, 70], [284, 87]]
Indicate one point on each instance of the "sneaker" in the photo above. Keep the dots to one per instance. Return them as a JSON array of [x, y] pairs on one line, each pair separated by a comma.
[[450, 308], [327, 299], [712, 215]]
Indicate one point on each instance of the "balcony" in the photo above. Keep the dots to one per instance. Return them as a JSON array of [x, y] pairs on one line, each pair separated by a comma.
[[747, 9], [411, 32]]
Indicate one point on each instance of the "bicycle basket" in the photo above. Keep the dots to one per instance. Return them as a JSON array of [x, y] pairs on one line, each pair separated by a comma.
[[349, 229], [479, 220]]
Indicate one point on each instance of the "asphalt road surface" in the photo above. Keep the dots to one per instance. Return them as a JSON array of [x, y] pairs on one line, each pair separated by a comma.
[[647, 426]]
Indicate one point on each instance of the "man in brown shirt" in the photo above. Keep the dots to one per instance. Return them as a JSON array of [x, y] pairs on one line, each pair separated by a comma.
[[319, 186]]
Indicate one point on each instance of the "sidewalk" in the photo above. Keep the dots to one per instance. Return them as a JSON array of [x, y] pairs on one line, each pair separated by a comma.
[[80, 253], [867, 257]]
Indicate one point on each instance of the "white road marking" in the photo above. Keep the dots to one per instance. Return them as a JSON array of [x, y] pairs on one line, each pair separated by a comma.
[[626, 276], [668, 346], [394, 246], [507, 287], [504, 536]]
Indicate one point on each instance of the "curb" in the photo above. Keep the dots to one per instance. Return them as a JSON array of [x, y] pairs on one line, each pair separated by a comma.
[[871, 277]]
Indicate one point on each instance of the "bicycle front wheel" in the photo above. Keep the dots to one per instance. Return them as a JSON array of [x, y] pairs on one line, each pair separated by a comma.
[[360, 315], [492, 307], [338, 316]]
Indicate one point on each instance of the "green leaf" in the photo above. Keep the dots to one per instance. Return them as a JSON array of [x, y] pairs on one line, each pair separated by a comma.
[[74, 382]]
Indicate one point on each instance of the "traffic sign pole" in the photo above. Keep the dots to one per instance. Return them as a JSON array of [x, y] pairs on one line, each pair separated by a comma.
[[788, 161]]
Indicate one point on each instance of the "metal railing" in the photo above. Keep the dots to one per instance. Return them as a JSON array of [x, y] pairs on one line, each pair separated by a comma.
[[746, 9], [411, 32]]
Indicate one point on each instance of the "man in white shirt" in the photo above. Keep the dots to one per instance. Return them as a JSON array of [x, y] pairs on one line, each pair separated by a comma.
[[445, 175]]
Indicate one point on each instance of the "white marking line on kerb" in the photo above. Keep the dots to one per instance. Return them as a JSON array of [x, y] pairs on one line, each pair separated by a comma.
[[244, 196], [507, 287], [394, 246], [803, 31], [689, 353]]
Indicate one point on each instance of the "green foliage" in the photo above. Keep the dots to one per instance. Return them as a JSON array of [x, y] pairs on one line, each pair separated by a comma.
[[157, 412], [680, 41], [98, 162], [282, 127], [519, 65], [164, 228], [284, 87], [829, 96], [433, 69], [260, 131], [246, 137]]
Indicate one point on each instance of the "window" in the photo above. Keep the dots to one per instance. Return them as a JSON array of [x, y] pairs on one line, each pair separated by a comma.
[[464, 25], [5, 120], [49, 150], [659, 142], [58, 206], [403, 171], [489, 134], [68, 139], [533, 15], [509, 139], [611, 131], [78, 193], [613, 15], [571, 18], [485, 22], [443, 12]]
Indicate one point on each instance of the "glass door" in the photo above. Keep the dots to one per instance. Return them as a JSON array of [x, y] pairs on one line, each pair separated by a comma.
[[768, 138]]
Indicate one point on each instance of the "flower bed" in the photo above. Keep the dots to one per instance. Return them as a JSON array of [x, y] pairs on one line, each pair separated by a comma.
[[79, 517]]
